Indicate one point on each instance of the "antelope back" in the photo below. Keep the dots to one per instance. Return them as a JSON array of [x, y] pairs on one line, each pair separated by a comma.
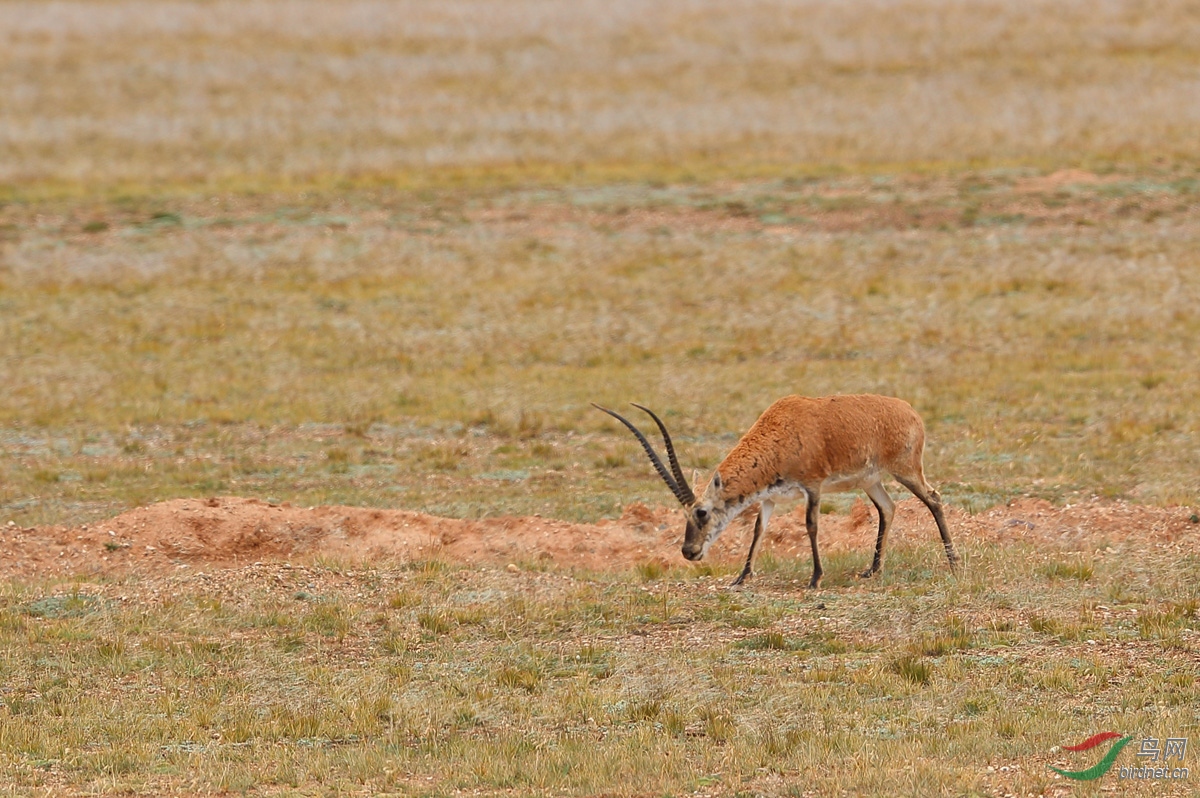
[[807, 440]]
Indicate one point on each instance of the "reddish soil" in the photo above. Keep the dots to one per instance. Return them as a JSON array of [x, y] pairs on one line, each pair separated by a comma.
[[227, 531]]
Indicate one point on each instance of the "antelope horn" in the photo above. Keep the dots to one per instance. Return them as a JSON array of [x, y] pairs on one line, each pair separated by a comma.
[[689, 497], [680, 488]]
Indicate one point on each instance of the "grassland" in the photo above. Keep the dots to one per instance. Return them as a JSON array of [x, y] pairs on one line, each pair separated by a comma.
[[439, 350], [387, 253], [270, 92], [436, 680]]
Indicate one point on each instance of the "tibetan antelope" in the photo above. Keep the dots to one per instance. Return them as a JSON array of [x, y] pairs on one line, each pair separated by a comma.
[[810, 446]]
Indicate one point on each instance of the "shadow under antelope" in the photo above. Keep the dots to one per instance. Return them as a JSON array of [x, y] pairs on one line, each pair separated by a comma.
[[805, 445]]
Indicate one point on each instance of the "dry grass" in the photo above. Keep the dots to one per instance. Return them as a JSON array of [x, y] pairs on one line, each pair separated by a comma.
[[439, 681], [386, 253], [439, 350], [192, 325], [268, 92]]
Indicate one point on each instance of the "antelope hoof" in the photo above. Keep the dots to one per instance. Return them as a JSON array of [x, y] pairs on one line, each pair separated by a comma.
[[867, 574], [814, 583], [741, 580]]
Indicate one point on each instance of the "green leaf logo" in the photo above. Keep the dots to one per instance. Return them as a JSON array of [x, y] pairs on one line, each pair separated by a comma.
[[1100, 768]]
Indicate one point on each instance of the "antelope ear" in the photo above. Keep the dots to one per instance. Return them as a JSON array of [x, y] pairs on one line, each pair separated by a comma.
[[716, 481]]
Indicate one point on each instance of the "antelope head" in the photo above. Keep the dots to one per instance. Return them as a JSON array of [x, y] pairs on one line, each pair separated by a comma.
[[706, 516]]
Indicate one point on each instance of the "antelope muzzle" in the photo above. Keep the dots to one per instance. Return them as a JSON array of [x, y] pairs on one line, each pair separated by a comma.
[[693, 541]]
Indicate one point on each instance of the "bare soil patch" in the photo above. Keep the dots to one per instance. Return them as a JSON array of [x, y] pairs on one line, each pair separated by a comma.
[[231, 531], [1065, 177]]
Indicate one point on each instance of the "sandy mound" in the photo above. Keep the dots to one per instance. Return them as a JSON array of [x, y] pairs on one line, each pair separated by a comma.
[[1063, 178], [229, 531]]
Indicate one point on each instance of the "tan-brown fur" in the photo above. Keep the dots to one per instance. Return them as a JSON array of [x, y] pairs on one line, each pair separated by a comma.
[[806, 445], [811, 445], [807, 440]]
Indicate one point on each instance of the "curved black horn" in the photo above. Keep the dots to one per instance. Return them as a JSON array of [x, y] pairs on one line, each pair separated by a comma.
[[675, 469], [682, 494]]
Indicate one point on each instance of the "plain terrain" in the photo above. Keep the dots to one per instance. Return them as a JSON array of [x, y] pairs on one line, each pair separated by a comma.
[[253, 94], [439, 350], [385, 254]]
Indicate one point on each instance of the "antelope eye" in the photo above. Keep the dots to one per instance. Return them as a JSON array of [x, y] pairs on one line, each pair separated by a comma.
[[701, 515]]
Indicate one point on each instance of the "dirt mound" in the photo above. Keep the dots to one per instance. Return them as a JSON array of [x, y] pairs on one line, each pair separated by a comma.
[[228, 531], [1064, 177]]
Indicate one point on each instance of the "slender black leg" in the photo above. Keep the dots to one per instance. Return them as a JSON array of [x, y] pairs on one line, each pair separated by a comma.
[[931, 499], [811, 513], [886, 509], [760, 527]]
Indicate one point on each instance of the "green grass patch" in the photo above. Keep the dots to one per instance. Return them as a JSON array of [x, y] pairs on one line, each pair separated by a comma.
[[1081, 570], [913, 668]]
